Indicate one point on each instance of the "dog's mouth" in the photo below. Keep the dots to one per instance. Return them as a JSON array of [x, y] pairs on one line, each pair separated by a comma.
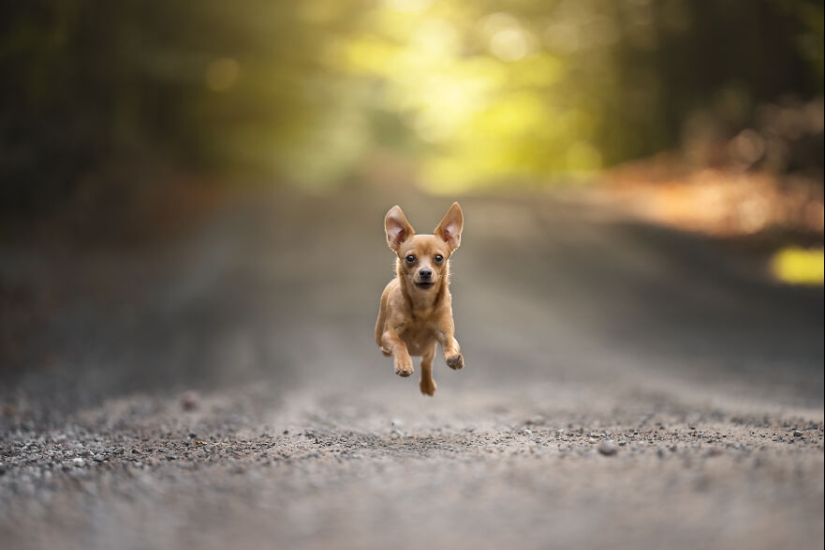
[[426, 285]]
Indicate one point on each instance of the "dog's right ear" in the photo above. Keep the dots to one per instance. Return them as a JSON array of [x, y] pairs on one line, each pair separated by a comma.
[[397, 227]]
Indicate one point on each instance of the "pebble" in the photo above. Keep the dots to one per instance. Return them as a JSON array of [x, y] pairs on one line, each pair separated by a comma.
[[537, 420], [78, 462], [797, 433], [189, 401], [608, 448]]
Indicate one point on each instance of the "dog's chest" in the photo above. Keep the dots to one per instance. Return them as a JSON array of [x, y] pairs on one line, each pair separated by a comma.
[[419, 334]]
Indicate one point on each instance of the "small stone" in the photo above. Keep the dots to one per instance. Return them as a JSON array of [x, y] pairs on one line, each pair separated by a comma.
[[608, 448], [797, 433], [78, 462], [395, 434], [189, 401], [660, 452], [537, 420]]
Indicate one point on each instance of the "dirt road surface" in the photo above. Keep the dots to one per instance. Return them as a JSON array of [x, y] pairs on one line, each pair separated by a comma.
[[626, 387]]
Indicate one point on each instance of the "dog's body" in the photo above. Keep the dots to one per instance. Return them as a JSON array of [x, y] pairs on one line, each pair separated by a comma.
[[416, 307]]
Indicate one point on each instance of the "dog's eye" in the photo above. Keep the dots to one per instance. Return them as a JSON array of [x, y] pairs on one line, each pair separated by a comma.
[[439, 258], [410, 259]]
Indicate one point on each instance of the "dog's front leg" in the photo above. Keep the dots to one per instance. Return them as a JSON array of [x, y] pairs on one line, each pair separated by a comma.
[[391, 343], [450, 347]]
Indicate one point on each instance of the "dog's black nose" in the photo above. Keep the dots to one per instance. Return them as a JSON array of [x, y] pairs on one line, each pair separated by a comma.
[[425, 274]]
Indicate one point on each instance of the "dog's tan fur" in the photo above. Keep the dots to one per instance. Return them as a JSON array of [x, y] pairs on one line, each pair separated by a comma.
[[412, 319]]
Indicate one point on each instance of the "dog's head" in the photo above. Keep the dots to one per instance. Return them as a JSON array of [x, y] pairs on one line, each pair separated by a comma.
[[422, 259]]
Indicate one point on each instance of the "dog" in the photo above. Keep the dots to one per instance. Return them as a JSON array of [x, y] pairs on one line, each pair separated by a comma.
[[416, 307]]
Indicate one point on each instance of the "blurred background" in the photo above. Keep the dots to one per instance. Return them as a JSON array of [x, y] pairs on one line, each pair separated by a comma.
[[125, 125], [451, 95]]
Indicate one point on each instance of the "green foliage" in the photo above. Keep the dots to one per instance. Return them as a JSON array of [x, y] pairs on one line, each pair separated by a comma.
[[473, 91]]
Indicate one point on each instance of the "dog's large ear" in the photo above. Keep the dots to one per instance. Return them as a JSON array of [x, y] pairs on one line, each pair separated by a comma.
[[397, 227], [449, 230]]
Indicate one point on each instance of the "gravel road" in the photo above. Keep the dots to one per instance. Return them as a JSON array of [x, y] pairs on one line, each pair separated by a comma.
[[626, 387]]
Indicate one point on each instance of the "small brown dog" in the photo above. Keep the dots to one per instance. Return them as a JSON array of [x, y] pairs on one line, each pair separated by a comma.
[[416, 307]]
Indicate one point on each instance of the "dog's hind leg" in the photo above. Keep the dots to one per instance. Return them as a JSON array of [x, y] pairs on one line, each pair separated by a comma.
[[427, 384]]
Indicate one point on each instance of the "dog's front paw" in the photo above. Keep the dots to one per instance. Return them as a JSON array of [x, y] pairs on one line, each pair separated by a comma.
[[404, 372], [404, 367], [455, 362]]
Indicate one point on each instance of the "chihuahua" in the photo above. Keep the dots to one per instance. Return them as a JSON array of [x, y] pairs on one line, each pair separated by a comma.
[[416, 307]]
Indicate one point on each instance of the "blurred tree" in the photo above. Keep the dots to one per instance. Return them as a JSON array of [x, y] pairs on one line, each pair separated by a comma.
[[525, 89], [215, 83], [474, 90]]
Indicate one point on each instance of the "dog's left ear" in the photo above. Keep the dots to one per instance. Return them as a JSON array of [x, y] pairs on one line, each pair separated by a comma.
[[449, 230]]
